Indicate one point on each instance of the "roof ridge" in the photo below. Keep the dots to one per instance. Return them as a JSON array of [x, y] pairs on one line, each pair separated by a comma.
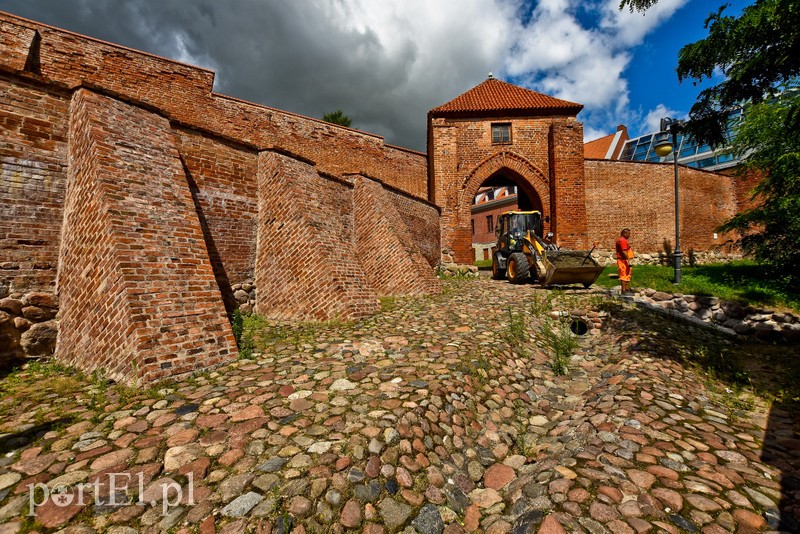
[[494, 95]]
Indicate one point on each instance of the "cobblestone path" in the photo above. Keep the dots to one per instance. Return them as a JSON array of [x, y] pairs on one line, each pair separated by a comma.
[[439, 414]]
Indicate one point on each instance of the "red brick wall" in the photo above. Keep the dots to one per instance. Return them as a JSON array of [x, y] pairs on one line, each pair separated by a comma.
[[223, 176], [138, 294], [306, 261], [569, 217], [183, 93], [422, 221], [545, 154], [392, 263], [33, 148], [642, 196]]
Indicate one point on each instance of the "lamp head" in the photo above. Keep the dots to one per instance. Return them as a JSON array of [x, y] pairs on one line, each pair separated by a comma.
[[663, 146]]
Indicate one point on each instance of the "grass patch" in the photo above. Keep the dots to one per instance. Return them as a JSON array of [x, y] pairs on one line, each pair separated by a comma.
[[743, 280], [483, 265], [388, 303], [257, 333]]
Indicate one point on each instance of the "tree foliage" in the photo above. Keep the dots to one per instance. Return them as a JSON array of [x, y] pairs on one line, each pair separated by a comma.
[[638, 5], [337, 117], [770, 140], [757, 52]]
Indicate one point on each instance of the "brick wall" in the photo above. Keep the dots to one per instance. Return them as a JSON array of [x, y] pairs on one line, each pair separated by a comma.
[[545, 156], [642, 196], [183, 94], [33, 151], [392, 263], [120, 291], [306, 262], [138, 294], [421, 219], [222, 177], [569, 217]]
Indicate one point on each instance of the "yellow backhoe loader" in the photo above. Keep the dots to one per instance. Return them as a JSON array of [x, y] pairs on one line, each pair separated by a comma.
[[522, 254]]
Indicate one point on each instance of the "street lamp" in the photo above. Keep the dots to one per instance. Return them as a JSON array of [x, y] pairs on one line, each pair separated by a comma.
[[663, 148]]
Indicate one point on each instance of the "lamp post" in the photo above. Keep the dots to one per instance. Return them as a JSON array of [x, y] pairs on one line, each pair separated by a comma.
[[663, 148]]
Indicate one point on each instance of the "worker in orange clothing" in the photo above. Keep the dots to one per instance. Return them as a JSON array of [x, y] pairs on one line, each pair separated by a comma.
[[624, 255]]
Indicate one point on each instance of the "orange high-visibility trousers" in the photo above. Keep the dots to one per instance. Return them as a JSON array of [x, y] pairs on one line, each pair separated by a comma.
[[624, 268]]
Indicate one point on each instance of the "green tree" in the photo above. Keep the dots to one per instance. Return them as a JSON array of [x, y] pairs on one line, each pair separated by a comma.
[[757, 52], [337, 117], [770, 140]]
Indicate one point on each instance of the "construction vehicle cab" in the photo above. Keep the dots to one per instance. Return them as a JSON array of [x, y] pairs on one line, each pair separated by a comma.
[[521, 254]]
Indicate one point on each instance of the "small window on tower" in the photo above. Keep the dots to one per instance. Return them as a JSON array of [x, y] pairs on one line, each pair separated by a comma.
[[501, 133]]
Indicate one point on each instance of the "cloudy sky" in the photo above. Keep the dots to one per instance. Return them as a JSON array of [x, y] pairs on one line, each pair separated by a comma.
[[385, 63]]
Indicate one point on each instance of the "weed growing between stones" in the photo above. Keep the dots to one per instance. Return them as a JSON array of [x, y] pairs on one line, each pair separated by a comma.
[[542, 303], [561, 343], [517, 333], [475, 366]]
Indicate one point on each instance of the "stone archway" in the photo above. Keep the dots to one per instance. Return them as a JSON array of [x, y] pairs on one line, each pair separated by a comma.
[[456, 214]]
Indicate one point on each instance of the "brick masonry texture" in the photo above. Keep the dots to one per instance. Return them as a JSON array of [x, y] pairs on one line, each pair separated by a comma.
[[642, 196], [306, 261], [422, 220], [222, 178], [183, 94], [544, 159], [138, 294], [33, 162], [392, 262]]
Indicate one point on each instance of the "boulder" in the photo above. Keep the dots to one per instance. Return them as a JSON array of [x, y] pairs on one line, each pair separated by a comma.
[[734, 310], [41, 299], [37, 314], [40, 339], [9, 339], [12, 306]]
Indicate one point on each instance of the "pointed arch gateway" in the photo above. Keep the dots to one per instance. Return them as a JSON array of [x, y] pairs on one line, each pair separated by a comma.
[[502, 168]]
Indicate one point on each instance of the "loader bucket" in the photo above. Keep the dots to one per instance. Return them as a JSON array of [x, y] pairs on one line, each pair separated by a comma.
[[570, 267]]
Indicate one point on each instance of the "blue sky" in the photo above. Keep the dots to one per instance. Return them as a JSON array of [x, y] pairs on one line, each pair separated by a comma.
[[653, 82], [385, 63]]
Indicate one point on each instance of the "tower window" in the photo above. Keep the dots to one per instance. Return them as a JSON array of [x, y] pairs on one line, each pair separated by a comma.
[[501, 133]]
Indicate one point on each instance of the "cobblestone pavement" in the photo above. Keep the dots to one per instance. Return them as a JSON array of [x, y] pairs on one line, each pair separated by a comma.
[[437, 415]]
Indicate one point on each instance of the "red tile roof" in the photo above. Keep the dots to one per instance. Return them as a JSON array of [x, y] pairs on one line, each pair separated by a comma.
[[598, 148], [495, 97]]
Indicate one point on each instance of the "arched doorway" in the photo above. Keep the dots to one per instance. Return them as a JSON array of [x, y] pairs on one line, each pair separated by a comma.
[[504, 169]]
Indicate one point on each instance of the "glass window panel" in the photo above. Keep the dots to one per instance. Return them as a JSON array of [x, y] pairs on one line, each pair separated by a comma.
[[627, 152], [707, 162], [501, 133]]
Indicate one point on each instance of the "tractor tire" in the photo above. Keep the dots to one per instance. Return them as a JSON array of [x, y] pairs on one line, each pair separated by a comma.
[[497, 272], [518, 268]]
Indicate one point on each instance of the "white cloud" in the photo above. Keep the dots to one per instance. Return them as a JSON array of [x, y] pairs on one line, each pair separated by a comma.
[[630, 29], [652, 120]]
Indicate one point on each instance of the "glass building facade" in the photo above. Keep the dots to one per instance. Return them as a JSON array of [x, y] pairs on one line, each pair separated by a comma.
[[689, 152]]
